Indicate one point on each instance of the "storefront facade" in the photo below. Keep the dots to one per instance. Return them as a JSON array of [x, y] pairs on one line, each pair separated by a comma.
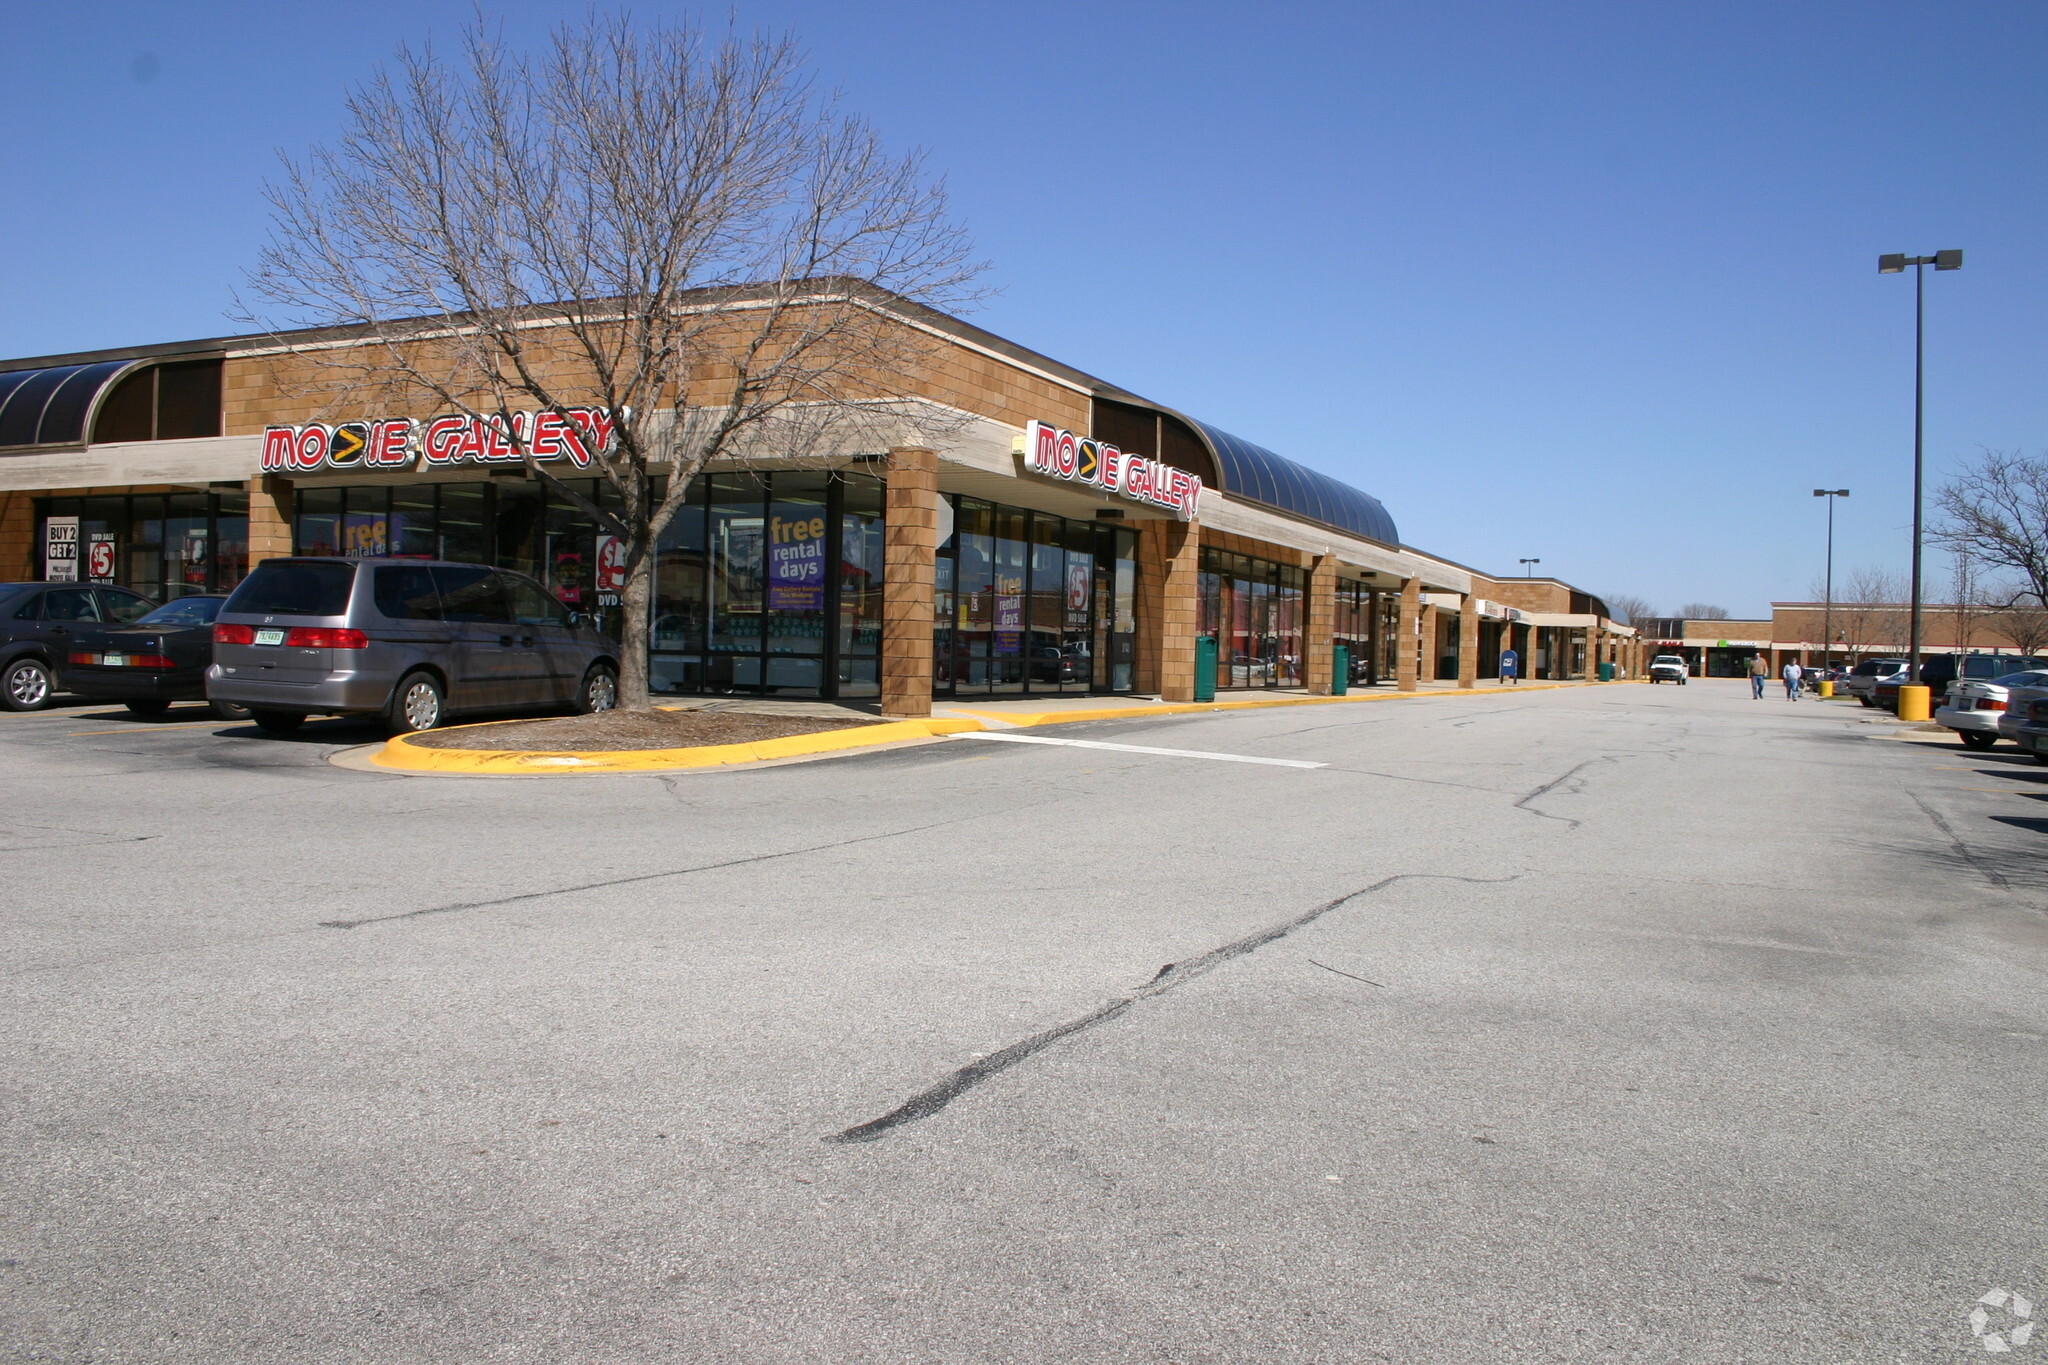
[[1063, 537]]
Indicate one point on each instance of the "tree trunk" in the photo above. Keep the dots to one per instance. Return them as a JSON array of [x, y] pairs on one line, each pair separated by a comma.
[[633, 626]]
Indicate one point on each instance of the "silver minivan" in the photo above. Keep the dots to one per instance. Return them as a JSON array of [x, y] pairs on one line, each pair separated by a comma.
[[413, 641]]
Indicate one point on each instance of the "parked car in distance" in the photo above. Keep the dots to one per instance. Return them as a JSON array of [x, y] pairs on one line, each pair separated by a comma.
[[1939, 672], [1669, 668], [1974, 707], [1862, 680], [413, 641], [2031, 733], [2020, 700], [37, 623], [160, 658]]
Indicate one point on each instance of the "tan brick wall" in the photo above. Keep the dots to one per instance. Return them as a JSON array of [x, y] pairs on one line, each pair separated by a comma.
[[912, 522], [1168, 608], [20, 557], [1405, 644], [1319, 665], [270, 518], [1468, 640]]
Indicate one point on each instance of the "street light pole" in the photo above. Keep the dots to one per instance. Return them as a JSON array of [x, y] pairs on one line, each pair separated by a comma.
[[1893, 265], [1827, 629], [1525, 566]]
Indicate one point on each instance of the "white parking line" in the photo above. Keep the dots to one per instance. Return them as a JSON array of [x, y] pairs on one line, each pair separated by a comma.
[[1137, 749]]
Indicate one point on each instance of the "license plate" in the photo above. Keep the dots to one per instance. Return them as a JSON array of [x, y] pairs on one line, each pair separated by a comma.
[[114, 660], [269, 637]]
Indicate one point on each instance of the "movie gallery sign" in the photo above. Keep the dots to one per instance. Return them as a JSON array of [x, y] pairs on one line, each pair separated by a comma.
[[1061, 454], [394, 442]]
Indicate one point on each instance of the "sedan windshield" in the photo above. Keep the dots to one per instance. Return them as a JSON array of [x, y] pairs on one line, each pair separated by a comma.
[[186, 611]]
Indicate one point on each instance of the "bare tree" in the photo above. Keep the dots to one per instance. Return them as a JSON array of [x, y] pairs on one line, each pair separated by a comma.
[[1968, 605], [673, 230], [1703, 611], [1867, 613], [1628, 608], [2024, 621], [1996, 511]]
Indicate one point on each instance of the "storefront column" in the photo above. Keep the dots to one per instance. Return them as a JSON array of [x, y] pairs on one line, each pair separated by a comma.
[[1404, 636], [1319, 638], [1468, 640], [270, 518], [1374, 641], [1169, 557], [21, 559], [1426, 666], [910, 541]]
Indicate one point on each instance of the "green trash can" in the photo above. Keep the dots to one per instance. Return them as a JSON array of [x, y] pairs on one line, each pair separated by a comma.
[[1606, 672], [1205, 668], [1340, 671]]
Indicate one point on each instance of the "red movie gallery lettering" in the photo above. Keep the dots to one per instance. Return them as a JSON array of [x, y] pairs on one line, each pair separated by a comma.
[[1061, 454], [575, 435]]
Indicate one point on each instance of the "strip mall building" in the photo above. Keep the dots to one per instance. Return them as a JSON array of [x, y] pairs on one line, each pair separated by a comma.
[[1066, 536]]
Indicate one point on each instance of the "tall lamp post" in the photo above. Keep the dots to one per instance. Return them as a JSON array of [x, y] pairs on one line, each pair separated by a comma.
[[1896, 265], [1525, 566], [1827, 637]]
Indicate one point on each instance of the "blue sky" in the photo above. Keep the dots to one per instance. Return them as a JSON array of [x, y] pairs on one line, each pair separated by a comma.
[[1590, 282]]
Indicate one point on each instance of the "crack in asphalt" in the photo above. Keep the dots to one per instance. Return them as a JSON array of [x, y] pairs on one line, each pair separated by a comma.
[[639, 877], [1962, 850], [1171, 977], [1552, 785]]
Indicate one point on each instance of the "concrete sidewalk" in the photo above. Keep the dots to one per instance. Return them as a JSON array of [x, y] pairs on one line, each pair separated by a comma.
[[1042, 709]]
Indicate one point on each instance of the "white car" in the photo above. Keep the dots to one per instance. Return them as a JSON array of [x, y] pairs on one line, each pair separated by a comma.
[[2020, 700], [1669, 668], [1975, 708], [1863, 679]]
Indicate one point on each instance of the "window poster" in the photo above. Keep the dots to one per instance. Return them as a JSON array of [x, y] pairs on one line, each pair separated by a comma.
[[796, 559], [60, 549]]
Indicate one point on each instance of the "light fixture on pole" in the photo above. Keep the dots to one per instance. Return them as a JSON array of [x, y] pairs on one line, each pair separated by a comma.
[[1827, 630], [1525, 566], [1895, 265]]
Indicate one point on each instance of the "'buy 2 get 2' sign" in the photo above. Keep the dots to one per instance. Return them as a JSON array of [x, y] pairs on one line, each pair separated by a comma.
[[394, 442]]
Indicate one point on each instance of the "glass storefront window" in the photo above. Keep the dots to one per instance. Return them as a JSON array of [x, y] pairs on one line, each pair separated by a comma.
[[520, 512], [1032, 602], [1254, 608], [319, 522], [682, 601], [861, 551], [162, 546], [412, 534], [797, 549], [737, 526]]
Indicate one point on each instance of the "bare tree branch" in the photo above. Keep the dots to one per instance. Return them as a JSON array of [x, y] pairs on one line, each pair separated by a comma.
[[673, 226]]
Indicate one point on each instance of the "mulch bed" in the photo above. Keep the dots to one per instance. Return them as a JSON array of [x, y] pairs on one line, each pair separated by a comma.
[[621, 730]]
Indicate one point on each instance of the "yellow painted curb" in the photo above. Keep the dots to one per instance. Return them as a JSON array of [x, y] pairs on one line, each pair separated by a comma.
[[404, 755], [1031, 720]]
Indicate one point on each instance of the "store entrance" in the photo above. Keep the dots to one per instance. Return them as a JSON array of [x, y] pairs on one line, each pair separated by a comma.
[[1028, 603]]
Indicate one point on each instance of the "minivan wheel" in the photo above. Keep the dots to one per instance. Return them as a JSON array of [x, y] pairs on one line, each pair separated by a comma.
[[277, 722], [26, 685], [228, 710], [415, 705], [148, 708], [600, 690]]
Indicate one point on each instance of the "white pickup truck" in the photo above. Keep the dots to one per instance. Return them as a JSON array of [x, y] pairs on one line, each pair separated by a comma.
[[1669, 668]]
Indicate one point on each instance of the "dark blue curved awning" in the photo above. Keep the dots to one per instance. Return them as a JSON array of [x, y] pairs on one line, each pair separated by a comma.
[[1256, 474], [49, 407]]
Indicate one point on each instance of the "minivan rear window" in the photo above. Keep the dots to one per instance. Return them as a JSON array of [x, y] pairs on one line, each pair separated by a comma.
[[294, 587]]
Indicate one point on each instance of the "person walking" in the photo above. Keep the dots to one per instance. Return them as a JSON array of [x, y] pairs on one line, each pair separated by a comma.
[[1793, 673], [1510, 666], [1759, 669]]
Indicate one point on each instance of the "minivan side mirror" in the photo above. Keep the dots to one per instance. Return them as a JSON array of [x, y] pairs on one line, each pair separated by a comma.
[[575, 618]]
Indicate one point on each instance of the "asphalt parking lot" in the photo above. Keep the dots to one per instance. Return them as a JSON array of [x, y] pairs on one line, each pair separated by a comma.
[[1607, 1023]]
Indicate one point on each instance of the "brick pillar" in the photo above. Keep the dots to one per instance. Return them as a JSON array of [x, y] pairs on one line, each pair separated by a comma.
[[270, 518], [1468, 641], [1425, 663], [1404, 634], [1169, 555], [1318, 638], [21, 557], [910, 539], [1375, 608]]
